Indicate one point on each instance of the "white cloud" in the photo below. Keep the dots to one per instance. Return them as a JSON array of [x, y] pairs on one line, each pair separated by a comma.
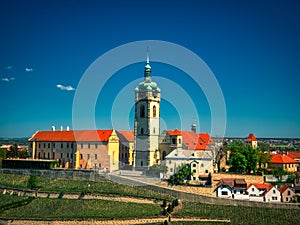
[[7, 79], [28, 69], [65, 88]]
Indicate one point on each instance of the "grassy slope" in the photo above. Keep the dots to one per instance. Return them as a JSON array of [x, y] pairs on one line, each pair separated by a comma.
[[66, 209], [242, 215], [77, 186]]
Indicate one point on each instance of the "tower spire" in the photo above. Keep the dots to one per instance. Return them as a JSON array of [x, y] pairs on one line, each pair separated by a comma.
[[147, 71]]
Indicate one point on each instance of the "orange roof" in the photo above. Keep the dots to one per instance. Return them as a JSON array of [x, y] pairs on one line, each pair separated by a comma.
[[294, 155], [265, 186], [191, 140], [206, 138], [72, 136], [175, 132], [125, 135], [282, 159], [251, 137]]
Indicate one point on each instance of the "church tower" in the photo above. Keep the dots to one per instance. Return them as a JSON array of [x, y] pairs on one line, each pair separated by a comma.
[[146, 121]]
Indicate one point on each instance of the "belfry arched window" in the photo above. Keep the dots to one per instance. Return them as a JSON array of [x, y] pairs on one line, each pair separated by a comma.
[[142, 111], [154, 111], [142, 130]]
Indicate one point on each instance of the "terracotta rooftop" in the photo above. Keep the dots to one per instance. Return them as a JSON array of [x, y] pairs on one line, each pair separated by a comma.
[[251, 137], [283, 188], [294, 155], [265, 186], [282, 159], [72, 136], [125, 135], [191, 140]]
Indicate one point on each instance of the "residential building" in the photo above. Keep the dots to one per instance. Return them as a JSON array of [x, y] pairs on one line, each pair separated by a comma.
[[256, 191], [79, 149], [284, 161], [232, 188], [189, 140], [251, 141], [200, 163], [272, 195], [146, 121], [287, 193], [126, 145]]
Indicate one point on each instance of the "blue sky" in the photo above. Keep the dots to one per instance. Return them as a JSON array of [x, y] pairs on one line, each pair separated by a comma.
[[252, 47]]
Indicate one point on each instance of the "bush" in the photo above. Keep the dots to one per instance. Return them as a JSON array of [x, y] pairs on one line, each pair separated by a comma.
[[170, 208], [164, 204], [175, 202], [32, 182]]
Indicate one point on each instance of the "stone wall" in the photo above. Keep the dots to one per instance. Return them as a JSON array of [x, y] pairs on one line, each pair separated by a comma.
[[249, 178]]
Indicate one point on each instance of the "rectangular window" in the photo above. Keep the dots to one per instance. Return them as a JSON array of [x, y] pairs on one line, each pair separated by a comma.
[[224, 193], [44, 154], [274, 191], [252, 189], [96, 145], [53, 145], [44, 145], [194, 171], [194, 165], [81, 145], [61, 145], [72, 145], [80, 156], [88, 156], [68, 145], [71, 155], [170, 162], [96, 157], [288, 193], [68, 155], [89, 146], [53, 155], [48, 155], [48, 145], [39, 145], [61, 155], [206, 171]]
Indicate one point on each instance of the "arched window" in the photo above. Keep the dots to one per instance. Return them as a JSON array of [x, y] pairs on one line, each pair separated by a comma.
[[154, 111], [142, 111], [142, 163], [142, 130]]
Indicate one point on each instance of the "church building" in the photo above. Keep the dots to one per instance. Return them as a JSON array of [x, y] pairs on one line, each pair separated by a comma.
[[146, 121]]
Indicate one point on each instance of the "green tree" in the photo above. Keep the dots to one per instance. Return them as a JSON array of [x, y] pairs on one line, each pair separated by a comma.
[[13, 151], [251, 155], [32, 182], [238, 162], [263, 154], [184, 173], [279, 172], [2, 154]]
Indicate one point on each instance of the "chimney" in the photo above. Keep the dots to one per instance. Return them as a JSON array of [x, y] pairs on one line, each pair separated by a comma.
[[68, 128], [61, 128], [53, 128], [194, 129]]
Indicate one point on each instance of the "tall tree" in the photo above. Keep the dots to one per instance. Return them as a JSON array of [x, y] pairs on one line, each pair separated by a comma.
[[238, 162]]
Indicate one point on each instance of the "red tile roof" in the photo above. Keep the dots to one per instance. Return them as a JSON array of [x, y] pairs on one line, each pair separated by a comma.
[[191, 140], [251, 137], [72, 136], [265, 186], [125, 135], [175, 132], [294, 155], [282, 159], [283, 188], [206, 138]]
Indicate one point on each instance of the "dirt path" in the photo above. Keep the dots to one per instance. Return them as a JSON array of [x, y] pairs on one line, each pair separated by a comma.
[[114, 222]]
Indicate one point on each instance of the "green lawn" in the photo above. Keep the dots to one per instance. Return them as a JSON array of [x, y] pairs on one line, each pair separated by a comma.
[[67, 209], [9, 199], [241, 215], [102, 186]]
